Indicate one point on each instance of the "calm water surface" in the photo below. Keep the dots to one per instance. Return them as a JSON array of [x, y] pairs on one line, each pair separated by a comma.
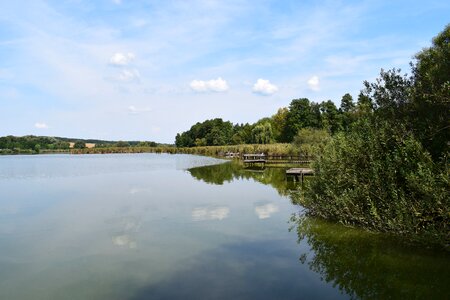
[[156, 226]]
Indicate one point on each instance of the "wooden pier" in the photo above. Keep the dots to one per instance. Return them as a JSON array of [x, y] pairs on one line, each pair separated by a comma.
[[299, 173], [252, 159]]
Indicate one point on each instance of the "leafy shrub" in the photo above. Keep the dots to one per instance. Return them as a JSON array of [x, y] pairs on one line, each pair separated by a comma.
[[380, 177]]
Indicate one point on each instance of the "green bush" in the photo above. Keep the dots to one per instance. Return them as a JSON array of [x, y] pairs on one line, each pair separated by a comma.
[[380, 177]]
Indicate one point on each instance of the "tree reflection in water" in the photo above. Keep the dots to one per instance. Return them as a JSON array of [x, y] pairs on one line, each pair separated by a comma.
[[227, 172], [373, 266], [361, 264]]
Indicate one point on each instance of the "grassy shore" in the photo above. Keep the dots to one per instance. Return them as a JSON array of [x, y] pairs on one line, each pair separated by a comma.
[[268, 149]]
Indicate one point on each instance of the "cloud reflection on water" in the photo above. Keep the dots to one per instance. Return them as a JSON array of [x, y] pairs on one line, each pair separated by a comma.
[[124, 240], [204, 213], [265, 211]]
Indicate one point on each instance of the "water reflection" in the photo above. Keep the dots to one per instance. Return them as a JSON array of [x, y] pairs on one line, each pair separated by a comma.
[[373, 266], [205, 213], [227, 172], [126, 227], [135, 227], [266, 210], [362, 265], [124, 240]]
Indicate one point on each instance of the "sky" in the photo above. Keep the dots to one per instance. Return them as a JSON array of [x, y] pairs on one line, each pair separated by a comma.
[[146, 70]]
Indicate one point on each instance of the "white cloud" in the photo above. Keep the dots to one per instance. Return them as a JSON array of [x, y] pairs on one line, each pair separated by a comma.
[[264, 87], [266, 210], [134, 110], [41, 125], [128, 75], [213, 85], [117, 2], [203, 213], [122, 59], [314, 83]]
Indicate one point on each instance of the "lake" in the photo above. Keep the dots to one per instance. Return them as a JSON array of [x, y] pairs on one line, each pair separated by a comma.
[[159, 226]]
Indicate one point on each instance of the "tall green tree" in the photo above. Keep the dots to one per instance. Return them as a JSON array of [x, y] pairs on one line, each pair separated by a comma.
[[330, 116], [262, 133], [279, 123], [347, 104], [348, 111], [302, 113], [431, 95]]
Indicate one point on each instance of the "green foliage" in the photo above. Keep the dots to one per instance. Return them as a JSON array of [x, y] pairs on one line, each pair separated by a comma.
[[30, 144], [364, 106], [380, 177], [242, 134], [122, 144], [211, 133], [390, 96], [347, 104], [302, 113], [79, 145], [282, 127], [279, 123], [227, 172], [389, 172], [348, 112], [311, 141], [431, 95], [147, 144], [331, 117], [262, 133]]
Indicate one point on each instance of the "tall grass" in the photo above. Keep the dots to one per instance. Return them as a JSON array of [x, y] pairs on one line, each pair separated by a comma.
[[268, 149]]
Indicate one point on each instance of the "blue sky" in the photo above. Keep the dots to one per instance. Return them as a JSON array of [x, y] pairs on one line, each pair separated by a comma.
[[145, 70]]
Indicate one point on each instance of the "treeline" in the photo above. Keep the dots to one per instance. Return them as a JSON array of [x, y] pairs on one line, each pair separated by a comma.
[[31, 144], [282, 127]]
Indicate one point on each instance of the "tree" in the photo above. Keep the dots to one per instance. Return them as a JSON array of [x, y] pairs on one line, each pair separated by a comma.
[[431, 95], [122, 144], [297, 117], [348, 111], [331, 118], [212, 132], [242, 134], [79, 145], [279, 123], [262, 133], [37, 148], [390, 95], [347, 104], [364, 106]]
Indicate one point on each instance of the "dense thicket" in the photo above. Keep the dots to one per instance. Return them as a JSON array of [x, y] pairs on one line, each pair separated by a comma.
[[389, 172]]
